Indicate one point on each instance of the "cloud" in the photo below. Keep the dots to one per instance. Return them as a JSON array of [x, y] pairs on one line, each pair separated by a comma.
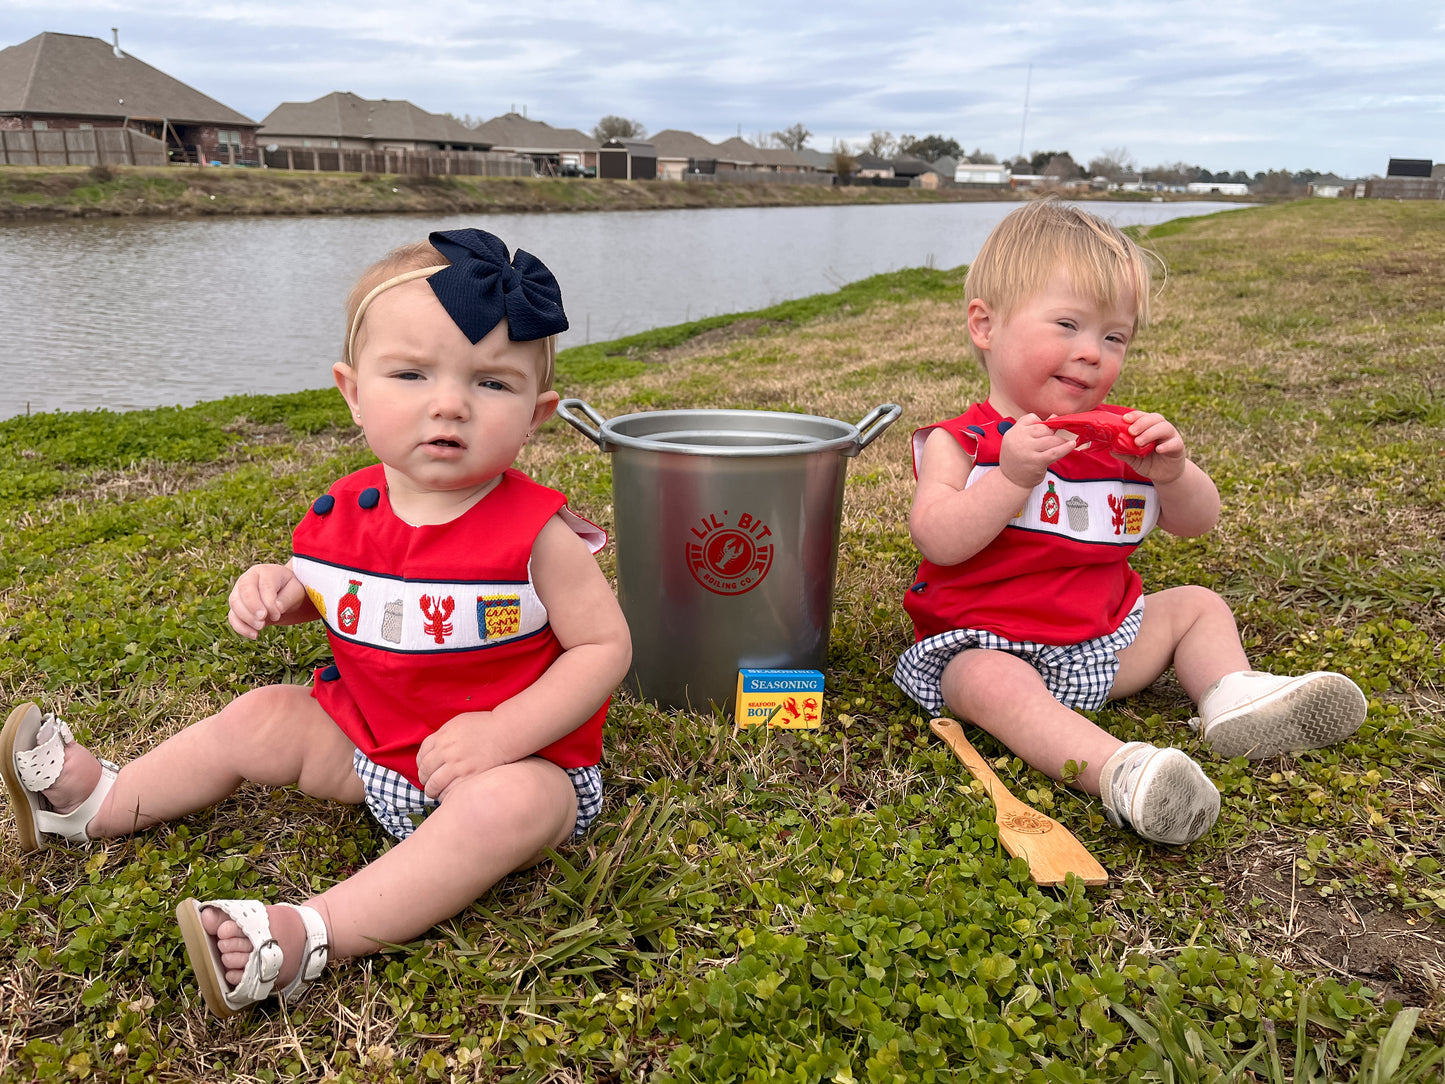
[[1230, 85]]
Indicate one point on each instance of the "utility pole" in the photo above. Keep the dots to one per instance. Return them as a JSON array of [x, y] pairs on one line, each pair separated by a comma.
[[1023, 126]]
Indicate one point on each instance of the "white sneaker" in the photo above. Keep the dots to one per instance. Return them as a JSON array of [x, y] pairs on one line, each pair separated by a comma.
[[1162, 794], [1261, 715]]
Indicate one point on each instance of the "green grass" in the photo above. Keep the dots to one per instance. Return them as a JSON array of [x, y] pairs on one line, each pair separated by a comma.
[[803, 906]]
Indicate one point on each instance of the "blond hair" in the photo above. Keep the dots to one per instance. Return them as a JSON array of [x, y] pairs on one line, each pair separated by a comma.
[[396, 265], [1043, 237]]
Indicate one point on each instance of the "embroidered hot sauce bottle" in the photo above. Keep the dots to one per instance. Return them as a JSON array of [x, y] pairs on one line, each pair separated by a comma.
[[348, 609], [1049, 509]]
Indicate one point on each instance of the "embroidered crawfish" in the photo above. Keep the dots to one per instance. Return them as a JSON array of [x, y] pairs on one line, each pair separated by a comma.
[[1117, 507], [436, 611]]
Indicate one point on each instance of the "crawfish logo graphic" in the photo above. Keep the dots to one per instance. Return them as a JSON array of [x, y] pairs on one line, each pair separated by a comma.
[[1117, 507], [436, 611], [730, 553]]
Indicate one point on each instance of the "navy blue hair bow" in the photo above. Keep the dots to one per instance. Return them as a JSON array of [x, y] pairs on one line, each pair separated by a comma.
[[484, 285]]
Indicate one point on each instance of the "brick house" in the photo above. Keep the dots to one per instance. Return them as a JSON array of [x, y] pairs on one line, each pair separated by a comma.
[[343, 121], [69, 81], [554, 151]]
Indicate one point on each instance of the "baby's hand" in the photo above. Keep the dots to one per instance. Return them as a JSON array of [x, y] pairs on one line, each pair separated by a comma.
[[459, 748], [1029, 448], [1166, 462], [262, 596]]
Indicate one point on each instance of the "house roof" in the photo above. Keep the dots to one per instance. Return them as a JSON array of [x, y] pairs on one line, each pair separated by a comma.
[[821, 160], [741, 151], [343, 115], [76, 76], [871, 161], [637, 148], [675, 143], [908, 166], [514, 132]]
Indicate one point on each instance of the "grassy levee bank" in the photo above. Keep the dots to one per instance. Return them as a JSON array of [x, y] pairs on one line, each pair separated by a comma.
[[826, 906], [78, 191]]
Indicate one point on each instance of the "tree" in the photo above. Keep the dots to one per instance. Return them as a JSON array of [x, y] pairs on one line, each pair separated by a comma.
[[930, 148], [1175, 173], [1114, 163], [1039, 159], [979, 158], [615, 127], [844, 164], [880, 145], [794, 138], [1277, 182], [1062, 167]]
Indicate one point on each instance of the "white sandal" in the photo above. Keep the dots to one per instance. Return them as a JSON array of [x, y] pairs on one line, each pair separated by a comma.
[[29, 766], [258, 980]]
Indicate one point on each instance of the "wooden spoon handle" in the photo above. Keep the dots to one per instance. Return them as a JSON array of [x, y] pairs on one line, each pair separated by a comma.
[[952, 733]]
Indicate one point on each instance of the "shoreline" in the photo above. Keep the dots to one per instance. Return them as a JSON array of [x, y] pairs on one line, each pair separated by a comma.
[[35, 193]]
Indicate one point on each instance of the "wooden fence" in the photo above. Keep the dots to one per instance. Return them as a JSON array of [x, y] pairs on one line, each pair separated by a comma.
[[79, 147], [1404, 188], [758, 176], [412, 163]]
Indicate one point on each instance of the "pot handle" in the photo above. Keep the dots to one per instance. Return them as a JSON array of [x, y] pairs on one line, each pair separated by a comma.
[[872, 424], [577, 423]]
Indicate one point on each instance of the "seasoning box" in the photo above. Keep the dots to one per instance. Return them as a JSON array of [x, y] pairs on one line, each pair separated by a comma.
[[792, 699]]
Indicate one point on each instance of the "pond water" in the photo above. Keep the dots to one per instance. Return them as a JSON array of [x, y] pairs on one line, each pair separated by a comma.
[[126, 313]]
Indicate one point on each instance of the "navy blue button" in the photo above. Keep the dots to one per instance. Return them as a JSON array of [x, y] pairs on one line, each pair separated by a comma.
[[1004, 427], [370, 497], [331, 673], [324, 503]]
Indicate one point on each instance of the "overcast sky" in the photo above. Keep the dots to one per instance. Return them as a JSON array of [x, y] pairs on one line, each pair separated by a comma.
[[1229, 84]]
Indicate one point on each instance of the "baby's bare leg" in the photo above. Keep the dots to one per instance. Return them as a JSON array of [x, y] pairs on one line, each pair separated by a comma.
[[276, 736], [1190, 628], [486, 827], [1004, 695]]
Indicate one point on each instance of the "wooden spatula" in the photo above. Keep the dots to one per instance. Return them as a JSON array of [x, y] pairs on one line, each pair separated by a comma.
[[1049, 848]]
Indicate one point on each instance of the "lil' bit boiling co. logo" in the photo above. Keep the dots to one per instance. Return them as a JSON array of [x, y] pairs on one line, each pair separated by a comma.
[[730, 555]]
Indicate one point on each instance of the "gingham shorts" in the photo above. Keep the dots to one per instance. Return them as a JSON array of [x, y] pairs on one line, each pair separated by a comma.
[[1078, 675], [400, 806]]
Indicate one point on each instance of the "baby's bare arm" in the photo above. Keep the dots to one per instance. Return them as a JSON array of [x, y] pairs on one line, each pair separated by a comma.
[[596, 651], [950, 520], [1188, 498], [268, 594]]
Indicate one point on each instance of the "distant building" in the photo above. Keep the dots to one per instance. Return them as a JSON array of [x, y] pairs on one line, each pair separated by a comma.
[[946, 166], [341, 120], [1329, 187], [627, 160], [981, 173], [682, 153], [554, 151], [1409, 167], [922, 174], [1407, 178], [1223, 188], [68, 81], [822, 161], [870, 165], [743, 155]]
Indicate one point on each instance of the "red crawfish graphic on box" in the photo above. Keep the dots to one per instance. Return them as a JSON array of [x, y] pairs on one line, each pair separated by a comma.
[[790, 710], [730, 558], [436, 611], [348, 609]]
